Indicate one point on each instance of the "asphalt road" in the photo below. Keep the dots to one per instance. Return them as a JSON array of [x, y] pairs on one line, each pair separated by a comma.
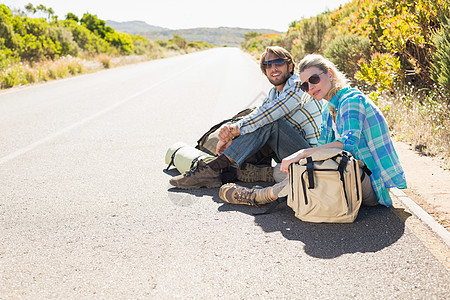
[[86, 210]]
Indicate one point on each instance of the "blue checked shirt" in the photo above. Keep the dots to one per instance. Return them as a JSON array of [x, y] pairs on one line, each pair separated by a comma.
[[297, 107], [364, 133]]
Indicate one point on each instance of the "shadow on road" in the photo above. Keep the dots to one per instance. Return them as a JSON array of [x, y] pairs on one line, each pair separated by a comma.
[[374, 229]]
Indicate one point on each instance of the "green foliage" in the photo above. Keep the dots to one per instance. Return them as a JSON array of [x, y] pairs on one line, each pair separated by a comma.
[[310, 35], [346, 50], [142, 45], [7, 35], [120, 40], [304, 36], [7, 58], [381, 72], [11, 77], [41, 47], [85, 39], [440, 71], [71, 16], [258, 43], [178, 41], [248, 39], [95, 25], [404, 28], [197, 45]]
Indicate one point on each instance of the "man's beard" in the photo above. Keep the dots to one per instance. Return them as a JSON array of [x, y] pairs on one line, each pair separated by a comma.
[[281, 80]]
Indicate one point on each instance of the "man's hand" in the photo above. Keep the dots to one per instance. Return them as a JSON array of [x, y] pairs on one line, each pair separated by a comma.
[[225, 133], [235, 131], [222, 145]]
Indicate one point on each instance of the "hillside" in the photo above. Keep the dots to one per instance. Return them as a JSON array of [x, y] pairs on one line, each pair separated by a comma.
[[132, 27], [217, 36]]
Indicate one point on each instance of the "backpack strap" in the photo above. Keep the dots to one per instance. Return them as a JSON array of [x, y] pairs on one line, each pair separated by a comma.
[[367, 170], [310, 170], [343, 165], [172, 158]]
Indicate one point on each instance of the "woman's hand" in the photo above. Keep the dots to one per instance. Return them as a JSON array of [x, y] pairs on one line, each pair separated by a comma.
[[297, 156], [293, 158]]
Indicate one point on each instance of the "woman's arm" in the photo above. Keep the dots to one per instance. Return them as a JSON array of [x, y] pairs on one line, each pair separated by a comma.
[[297, 156]]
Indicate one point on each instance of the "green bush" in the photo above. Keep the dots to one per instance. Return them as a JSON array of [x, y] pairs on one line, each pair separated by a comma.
[[346, 50], [7, 35], [121, 41], [310, 35], [85, 39], [179, 41], [381, 72], [440, 71], [12, 77]]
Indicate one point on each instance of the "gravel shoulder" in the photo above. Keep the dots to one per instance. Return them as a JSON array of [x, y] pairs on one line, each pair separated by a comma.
[[428, 183]]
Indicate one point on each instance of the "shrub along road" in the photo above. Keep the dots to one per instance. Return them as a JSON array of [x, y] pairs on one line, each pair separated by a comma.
[[86, 209]]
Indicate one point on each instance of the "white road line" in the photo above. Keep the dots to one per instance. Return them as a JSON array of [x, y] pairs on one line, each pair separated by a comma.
[[81, 122]]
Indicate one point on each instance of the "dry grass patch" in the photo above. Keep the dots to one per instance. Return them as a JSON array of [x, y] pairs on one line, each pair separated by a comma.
[[420, 118]]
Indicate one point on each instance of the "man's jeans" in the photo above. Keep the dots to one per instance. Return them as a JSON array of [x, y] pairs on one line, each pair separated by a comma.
[[280, 135]]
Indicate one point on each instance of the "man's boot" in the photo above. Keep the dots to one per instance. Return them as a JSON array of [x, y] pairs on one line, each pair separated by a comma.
[[203, 175], [254, 173]]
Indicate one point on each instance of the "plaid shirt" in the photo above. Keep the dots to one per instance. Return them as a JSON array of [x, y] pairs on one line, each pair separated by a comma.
[[297, 107], [364, 133]]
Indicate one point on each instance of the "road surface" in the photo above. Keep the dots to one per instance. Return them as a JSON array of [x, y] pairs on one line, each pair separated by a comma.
[[86, 210]]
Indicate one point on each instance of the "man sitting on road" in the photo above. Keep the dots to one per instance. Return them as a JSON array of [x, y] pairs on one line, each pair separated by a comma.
[[288, 120]]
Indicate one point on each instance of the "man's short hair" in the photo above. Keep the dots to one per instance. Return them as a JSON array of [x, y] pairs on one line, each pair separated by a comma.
[[280, 53]]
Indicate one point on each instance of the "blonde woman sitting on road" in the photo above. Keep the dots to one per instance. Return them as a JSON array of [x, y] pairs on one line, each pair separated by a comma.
[[350, 121]]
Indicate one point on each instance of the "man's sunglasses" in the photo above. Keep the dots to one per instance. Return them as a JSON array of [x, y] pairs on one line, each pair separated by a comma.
[[277, 62], [314, 79]]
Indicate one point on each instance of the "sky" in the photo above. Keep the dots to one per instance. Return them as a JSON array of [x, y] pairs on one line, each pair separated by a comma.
[[181, 14]]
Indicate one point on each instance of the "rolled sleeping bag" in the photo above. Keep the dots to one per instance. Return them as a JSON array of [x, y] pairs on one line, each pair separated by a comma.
[[185, 157]]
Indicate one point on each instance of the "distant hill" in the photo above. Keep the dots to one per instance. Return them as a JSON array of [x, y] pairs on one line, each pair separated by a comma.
[[231, 36], [132, 27]]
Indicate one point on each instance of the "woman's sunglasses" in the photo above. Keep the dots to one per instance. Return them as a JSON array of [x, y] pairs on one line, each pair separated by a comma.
[[314, 79], [277, 62]]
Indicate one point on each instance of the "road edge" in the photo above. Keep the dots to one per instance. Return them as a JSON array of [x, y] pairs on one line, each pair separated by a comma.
[[422, 215]]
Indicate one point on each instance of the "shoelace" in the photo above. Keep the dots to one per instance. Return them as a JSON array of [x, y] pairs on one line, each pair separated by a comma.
[[193, 170], [246, 196]]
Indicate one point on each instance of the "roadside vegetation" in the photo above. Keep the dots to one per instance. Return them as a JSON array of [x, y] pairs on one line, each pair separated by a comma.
[[36, 47], [396, 51]]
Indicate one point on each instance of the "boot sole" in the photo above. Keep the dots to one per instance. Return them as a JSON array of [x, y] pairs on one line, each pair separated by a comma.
[[198, 186], [250, 173]]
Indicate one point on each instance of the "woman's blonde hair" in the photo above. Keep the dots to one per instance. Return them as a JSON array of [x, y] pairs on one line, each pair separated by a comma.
[[320, 62]]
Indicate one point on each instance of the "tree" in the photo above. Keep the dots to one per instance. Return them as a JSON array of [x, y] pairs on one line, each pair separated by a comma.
[[7, 36], [96, 25], [71, 16]]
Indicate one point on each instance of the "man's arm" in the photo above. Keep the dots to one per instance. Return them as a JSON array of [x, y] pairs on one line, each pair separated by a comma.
[[272, 110]]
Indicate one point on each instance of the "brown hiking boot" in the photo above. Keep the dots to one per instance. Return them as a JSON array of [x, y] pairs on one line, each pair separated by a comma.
[[253, 173], [235, 194], [201, 176]]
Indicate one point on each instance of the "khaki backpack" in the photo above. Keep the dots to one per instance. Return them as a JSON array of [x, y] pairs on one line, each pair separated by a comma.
[[326, 187]]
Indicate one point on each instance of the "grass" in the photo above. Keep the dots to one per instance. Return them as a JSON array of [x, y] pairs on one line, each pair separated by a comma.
[[421, 118], [19, 74]]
